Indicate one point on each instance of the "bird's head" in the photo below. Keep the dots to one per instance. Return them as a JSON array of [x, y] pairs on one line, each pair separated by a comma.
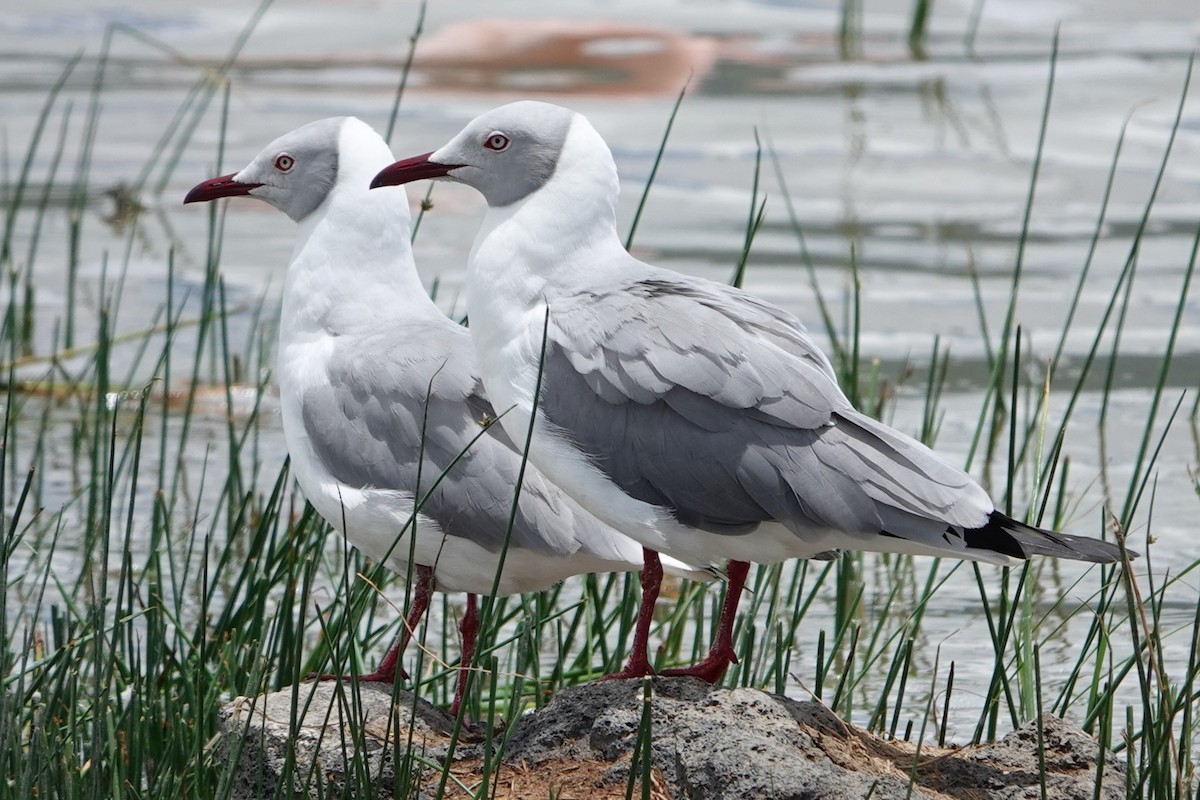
[[296, 172], [507, 153]]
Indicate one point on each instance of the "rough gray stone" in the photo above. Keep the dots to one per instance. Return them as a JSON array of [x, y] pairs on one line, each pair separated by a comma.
[[1009, 769], [332, 738], [733, 744], [707, 744]]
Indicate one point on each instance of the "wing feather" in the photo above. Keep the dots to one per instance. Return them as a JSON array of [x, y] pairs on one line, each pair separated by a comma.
[[419, 415], [703, 399]]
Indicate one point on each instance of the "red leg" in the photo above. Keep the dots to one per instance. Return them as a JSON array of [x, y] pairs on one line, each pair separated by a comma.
[[638, 665], [721, 654], [469, 628], [390, 666]]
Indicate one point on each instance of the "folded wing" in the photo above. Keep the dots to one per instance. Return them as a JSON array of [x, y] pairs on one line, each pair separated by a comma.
[[700, 398]]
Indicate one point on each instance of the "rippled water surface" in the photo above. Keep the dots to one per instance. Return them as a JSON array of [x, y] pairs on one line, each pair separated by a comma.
[[915, 166]]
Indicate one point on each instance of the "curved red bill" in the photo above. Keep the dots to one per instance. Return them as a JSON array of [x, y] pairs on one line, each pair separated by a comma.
[[412, 169], [224, 186]]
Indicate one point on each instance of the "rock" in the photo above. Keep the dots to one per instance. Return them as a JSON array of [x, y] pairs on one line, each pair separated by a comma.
[[1009, 768], [707, 744], [334, 739]]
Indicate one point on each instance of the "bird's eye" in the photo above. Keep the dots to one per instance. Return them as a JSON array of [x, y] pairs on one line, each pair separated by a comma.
[[284, 162], [496, 141]]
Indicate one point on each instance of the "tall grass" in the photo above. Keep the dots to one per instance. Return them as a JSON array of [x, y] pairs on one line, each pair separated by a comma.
[[159, 562]]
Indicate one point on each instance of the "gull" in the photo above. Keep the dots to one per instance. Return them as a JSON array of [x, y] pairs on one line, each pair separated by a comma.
[[695, 417], [390, 434]]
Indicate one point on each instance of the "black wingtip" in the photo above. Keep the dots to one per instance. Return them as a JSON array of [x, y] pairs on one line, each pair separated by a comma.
[[1009, 537]]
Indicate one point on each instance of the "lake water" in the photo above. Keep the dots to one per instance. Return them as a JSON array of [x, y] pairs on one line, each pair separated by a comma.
[[919, 166]]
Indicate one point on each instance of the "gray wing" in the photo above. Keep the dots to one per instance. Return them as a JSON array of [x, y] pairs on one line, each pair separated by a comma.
[[406, 404], [700, 398]]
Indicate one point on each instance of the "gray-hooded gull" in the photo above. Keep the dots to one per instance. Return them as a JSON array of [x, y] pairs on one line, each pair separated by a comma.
[[695, 417], [383, 409]]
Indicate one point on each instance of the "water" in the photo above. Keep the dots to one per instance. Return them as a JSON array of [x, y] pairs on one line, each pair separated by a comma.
[[920, 168]]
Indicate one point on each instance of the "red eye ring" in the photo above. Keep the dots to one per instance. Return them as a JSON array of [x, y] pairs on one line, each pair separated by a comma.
[[496, 141], [284, 162]]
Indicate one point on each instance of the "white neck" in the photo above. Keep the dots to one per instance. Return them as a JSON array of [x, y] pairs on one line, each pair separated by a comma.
[[352, 268], [552, 238], [531, 251]]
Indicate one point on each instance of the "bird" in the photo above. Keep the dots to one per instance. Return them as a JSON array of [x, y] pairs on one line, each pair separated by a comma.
[[390, 433], [697, 418]]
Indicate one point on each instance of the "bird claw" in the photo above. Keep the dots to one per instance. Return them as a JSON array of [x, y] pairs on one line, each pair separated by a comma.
[[710, 670], [631, 670], [378, 676]]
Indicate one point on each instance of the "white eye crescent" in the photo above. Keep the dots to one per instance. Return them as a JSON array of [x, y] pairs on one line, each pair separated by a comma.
[[496, 141], [284, 162]]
